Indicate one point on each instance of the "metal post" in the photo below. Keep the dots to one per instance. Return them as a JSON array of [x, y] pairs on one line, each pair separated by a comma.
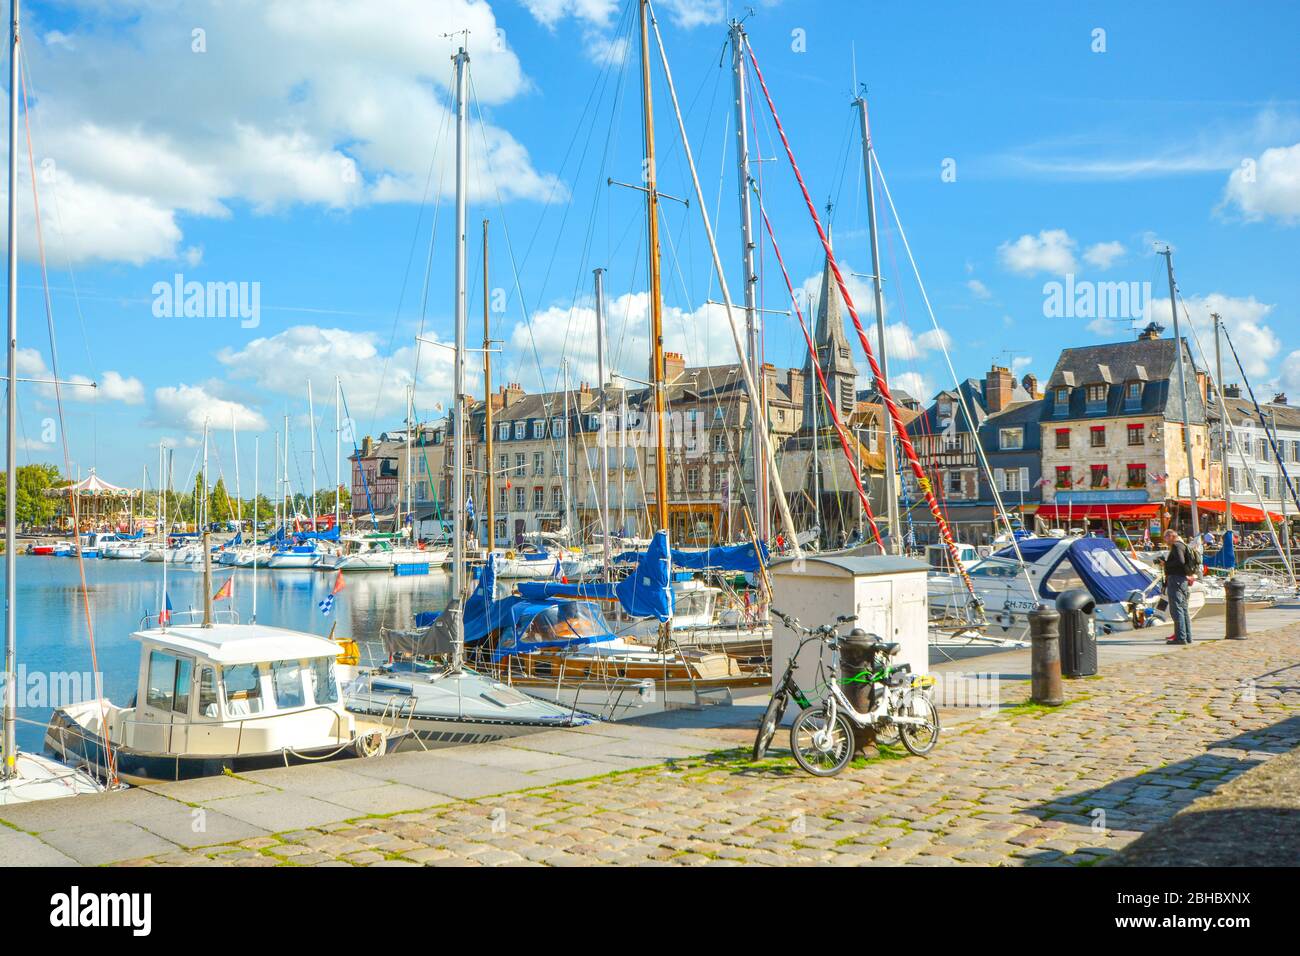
[[753, 329], [461, 61], [1223, 426], [1234, 628], [490, 485], [891, 463], [1045, 656], [1182, 392], [604, 430], [11, 422]]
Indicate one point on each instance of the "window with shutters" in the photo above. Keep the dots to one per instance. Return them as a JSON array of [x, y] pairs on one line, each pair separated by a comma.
[[1097, 436], [1063, 438]]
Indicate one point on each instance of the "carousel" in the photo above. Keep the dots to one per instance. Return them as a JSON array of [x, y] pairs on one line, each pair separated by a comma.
[[98, 506]]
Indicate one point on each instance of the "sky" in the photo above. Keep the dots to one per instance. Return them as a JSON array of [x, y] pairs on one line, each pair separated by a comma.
[[300, 156]]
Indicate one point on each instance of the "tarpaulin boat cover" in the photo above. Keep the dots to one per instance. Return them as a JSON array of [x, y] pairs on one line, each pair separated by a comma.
[[1225, 559], [550, 624], [731, 557], [275, 537], [1031, 548], [1109, 576], [647, 591], [331, 535], [541, 590]]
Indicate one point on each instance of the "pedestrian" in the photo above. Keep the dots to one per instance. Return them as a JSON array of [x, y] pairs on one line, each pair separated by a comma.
[[1207, 540], [1180, 571]]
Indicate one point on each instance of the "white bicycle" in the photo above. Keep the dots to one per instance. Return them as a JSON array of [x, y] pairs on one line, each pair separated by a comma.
[[822, 738]]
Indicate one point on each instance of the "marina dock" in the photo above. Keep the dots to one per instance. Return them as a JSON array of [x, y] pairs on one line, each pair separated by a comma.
[[1157, 729]]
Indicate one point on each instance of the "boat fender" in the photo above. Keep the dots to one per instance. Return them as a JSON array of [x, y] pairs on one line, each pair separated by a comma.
[[510, 554], [371, 744]]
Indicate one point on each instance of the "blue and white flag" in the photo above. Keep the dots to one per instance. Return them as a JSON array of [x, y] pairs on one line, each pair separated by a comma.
[[327, 604], [469, 509]]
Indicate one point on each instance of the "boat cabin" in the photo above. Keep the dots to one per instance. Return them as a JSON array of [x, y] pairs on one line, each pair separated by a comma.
[[940, 560]]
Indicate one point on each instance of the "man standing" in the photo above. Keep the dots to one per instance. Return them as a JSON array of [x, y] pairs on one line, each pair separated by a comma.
[[1180, 572]]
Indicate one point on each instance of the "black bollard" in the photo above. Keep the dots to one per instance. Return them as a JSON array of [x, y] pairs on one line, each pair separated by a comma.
[[856, 656], [1045, 657], [1234, 611]]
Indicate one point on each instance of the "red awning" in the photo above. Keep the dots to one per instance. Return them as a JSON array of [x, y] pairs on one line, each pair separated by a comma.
[[1240, 512], [1116, 512]]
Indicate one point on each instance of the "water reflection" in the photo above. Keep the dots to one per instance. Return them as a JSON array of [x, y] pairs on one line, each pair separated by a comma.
[[53, 633]]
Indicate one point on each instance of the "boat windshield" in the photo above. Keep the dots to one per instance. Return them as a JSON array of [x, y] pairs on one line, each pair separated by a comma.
[[994, 568], [243, 686]]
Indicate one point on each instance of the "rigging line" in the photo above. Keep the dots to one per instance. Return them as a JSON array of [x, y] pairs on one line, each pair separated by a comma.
[[1259, 412], [428, 272], [1241, 451], [821, 378], [881, 385], [943, 347], [410, 256], [11, 506]]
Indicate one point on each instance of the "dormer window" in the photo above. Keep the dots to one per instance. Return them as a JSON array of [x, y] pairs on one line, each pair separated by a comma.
[[1132, 394], [557, 427], [1062, 400], [539, 428], [1096, 398], [521, 430], [503, 432]]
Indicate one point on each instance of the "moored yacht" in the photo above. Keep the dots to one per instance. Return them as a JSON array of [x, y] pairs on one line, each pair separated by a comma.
[[220, 698]]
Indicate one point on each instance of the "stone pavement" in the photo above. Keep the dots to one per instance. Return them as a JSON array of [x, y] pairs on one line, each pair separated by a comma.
[[1025, 785]]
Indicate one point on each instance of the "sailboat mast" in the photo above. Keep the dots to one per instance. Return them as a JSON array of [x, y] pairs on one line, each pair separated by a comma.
[[338, 455], [1223, 425], [285, 494], [490, 485], [410, 428], [256, 468], [1182, 393], [604, 430], [239, 495], [205, 538], [311, 427], [564, 449], [461, 61], [749, 287], [11, 423], [652, 251], [891, 462]]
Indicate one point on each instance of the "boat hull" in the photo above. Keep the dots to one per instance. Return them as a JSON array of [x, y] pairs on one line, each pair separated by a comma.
[[72, 742]]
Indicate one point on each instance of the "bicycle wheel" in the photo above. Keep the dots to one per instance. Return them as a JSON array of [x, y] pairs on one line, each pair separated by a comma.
[[820, 747], [919, 739], [771, 720]]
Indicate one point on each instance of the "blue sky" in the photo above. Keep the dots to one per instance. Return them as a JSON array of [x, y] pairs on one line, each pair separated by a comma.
[[288, 145]]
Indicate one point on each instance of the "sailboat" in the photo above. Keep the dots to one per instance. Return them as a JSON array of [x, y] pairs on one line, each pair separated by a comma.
[[24, 776], [426, 684]]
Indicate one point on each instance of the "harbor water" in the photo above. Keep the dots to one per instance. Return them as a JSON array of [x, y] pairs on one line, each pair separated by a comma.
[[54, 649]]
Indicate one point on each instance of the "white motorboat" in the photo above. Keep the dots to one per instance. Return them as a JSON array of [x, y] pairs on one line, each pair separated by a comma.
[[1127, 595], [295, 556], [381, 552], [223, 698]]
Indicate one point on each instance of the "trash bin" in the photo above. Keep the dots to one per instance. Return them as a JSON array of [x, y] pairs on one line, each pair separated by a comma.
[[1078, 633]]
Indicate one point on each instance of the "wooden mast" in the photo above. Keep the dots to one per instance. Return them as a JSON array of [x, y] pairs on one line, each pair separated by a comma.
[[652, 250]]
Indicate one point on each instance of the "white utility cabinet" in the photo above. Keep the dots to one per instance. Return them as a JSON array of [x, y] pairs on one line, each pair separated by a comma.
[[888, 595]]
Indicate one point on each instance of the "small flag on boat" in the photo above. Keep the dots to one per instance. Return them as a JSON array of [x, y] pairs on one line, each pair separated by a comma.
[[165, 615], [226, 591], [326, 604], [469, 508], [338, 583]]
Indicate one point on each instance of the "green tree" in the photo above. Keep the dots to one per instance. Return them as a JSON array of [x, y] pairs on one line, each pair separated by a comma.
[[220, 506], [34, 506]]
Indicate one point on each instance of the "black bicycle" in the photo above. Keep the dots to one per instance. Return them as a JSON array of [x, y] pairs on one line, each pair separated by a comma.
[[788, 689]]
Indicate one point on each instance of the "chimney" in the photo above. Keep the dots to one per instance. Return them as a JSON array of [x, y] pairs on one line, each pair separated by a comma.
[[1030, 384], [584, 388], [1151, 332], [674, 367], [510, 394], [1279, 399], [999, 383], [367, 447], [1232, 391]]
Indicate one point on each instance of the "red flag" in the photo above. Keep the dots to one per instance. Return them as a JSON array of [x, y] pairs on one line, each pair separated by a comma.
[[226, 591], [338, 583]]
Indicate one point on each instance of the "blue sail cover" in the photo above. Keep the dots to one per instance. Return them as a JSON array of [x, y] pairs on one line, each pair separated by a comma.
[[647, 591], [1031, 548], [1109, 576], [331, 535], [731, 557], [1225, 559], [534, 625], [541, 590], [275, 537]]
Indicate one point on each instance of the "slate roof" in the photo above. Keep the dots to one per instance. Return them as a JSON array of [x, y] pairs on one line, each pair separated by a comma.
[[1149, 361]]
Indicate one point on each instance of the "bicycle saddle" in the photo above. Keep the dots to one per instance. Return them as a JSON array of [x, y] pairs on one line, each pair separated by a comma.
[[881, 647]]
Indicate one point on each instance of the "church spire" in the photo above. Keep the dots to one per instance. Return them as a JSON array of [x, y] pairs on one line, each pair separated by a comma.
[[834, 354]]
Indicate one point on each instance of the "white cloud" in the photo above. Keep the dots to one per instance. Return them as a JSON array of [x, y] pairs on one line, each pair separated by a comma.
[[1244, 318], [333, 103], [1291, 372], [374, 380], [914, 383], [979, 289], [595, 21], [115, 387], [1103, 255], [1052, 250], [1268, 186], [190, 406]]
